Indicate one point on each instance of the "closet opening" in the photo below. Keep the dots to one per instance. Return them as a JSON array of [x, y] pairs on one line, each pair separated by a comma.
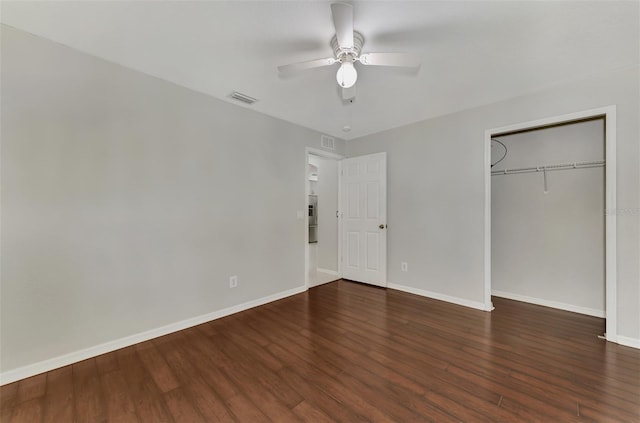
[[548, 237]]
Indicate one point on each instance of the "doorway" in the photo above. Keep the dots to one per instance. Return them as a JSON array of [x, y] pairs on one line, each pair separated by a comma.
[[322, 249], [358, 224], [608, 114]]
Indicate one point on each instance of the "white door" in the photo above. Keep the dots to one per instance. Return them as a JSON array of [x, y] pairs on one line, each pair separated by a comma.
[[364, 214]]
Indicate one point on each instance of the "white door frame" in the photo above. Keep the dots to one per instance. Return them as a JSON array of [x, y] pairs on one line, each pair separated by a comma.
[[609, 114], [338, 158]]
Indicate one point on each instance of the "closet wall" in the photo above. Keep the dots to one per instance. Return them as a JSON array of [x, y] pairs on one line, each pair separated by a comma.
[[548, 248]]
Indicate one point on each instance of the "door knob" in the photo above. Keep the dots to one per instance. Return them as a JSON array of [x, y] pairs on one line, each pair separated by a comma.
[[382, 226]]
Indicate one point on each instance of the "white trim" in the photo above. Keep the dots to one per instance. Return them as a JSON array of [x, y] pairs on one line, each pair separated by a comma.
[[611, 261], [609, 113], [327, 271], [548, 303], [629, 342], [339, 218], [487, 221], [76, 356], [306, 218], [327, 155], [437, 296], [323, 153]]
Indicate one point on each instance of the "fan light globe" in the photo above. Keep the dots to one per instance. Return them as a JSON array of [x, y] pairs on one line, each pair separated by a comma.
[[347, 75]]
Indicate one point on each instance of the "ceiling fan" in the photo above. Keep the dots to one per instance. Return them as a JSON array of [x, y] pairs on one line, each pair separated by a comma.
[[347, 48]]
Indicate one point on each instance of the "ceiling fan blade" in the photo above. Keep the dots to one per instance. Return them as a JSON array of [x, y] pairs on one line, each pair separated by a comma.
[[349, 93], [301, 66], [343, 22], [390, 59]]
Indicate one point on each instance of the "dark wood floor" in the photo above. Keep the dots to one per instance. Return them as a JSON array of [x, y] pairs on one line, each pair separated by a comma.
[[350, 352]]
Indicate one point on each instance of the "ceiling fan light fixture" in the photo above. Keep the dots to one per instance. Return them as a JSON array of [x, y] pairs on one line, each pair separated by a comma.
[[347, 48], [347, 74]]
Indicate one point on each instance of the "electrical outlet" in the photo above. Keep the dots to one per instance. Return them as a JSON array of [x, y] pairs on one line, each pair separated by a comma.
[[233, 281], [404, 266]]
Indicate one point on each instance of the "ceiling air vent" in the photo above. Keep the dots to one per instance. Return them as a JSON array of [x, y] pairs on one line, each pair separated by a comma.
[[243, 98], [328, 142]]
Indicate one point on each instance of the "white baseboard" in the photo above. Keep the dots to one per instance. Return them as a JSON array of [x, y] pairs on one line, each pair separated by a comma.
[[628, 342], [437, 296], [548, 303], [327, 271], [76, 356]]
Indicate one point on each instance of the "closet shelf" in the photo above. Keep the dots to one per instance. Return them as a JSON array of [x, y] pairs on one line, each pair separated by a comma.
[[546, 168]]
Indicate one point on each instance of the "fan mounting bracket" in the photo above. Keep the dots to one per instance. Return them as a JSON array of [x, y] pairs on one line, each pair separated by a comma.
[[354, 52]]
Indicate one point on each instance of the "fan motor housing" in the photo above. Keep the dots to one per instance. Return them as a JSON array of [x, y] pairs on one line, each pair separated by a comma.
[[358, 41]]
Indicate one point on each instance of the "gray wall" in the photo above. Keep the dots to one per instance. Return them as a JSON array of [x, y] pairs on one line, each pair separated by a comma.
[[549, 247], [436, 188], [127, 202]]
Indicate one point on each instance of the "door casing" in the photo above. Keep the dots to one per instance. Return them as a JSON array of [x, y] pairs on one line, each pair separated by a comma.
[[609, 114]]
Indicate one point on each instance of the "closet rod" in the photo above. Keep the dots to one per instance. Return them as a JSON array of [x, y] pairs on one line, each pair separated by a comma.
[[562, 166]]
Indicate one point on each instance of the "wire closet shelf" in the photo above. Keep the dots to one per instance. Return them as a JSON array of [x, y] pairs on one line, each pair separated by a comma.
[[553, 167]]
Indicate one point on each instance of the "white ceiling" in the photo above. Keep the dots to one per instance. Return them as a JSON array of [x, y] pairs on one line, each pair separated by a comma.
[[473, 53]]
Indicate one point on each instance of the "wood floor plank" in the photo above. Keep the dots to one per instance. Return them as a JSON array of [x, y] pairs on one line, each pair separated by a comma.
[[241, 324], [88, 395], [261, 396], [437, 382], [349, 352], [27, 411], [181, 407], [119, 404], [304, 361], [210, 371], [33, 387], [146, 396], [107, 363], [174, 355], [371, 410], [157, 367], [256, 349], [326, 402], [8, 395], [244, 410], [211, 406], [246, 367], [307, 412], [58, 403]]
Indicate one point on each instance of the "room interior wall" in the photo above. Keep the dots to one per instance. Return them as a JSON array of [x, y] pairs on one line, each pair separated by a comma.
[[548, 247], [128, 202], [327, 191], [436, 190]]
